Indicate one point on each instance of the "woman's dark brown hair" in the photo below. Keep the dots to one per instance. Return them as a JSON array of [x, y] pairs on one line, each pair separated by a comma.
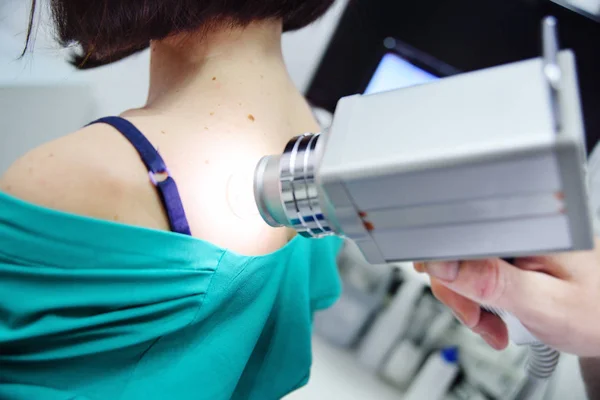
[[109, 30]]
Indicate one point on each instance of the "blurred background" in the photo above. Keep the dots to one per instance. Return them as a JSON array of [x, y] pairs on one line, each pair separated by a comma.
[[387, 334]]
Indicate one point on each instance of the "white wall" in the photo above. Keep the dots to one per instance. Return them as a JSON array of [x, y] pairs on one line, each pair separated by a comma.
[[33, 114], [303, 49]]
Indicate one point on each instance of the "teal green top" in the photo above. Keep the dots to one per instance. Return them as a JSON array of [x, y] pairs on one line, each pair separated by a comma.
[[96, 310]]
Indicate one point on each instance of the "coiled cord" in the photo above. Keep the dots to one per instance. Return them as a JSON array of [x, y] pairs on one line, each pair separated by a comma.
[[542, 359], [542, 363]]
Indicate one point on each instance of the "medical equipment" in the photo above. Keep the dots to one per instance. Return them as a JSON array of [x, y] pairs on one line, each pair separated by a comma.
[[436, 376], [488, 163], [366, 290], [483, 164]]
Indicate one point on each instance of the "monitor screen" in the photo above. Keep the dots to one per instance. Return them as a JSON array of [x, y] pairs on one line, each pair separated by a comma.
[[394, 72]]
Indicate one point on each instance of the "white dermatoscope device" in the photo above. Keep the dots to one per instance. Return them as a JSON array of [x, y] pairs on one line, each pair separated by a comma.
[[487, 163], [483, 164]]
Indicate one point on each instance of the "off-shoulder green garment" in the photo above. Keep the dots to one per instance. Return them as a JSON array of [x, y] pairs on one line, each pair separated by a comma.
[[92, 309]]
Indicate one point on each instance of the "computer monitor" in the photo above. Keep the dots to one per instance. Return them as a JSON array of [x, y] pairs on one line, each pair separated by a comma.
[[394, 72], [402, 66]]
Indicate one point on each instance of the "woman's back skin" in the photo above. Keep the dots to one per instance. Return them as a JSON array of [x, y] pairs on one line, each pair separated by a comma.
[[216, 105]]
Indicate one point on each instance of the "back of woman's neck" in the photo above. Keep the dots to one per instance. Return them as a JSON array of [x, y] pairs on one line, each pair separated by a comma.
[[226, 63]]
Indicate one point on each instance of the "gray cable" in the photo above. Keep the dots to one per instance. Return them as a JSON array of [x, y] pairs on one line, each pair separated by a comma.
[[543, 361], [541, 364]]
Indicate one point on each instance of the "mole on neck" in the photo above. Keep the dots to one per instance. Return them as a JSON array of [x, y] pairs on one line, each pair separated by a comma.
[[199, 62]]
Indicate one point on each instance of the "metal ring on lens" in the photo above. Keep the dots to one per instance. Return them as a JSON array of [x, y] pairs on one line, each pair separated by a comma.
[[311, 187], [288, 191], [299, 192]]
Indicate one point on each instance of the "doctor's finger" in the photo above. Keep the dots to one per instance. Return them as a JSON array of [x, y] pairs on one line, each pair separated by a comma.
[[491, 328], [526, 294], [466, 311]]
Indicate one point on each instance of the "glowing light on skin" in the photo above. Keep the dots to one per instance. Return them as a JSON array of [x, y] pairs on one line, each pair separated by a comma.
[[250, 234], [224, 188], [240, 195]]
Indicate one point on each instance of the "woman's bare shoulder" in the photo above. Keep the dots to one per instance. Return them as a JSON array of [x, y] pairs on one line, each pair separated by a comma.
[[90, 172], [96, 172]]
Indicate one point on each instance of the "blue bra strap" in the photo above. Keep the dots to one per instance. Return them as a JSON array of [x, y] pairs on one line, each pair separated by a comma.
[[156, 166]]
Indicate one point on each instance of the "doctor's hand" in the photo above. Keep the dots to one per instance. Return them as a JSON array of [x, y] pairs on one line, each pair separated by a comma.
[[556, 297]]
